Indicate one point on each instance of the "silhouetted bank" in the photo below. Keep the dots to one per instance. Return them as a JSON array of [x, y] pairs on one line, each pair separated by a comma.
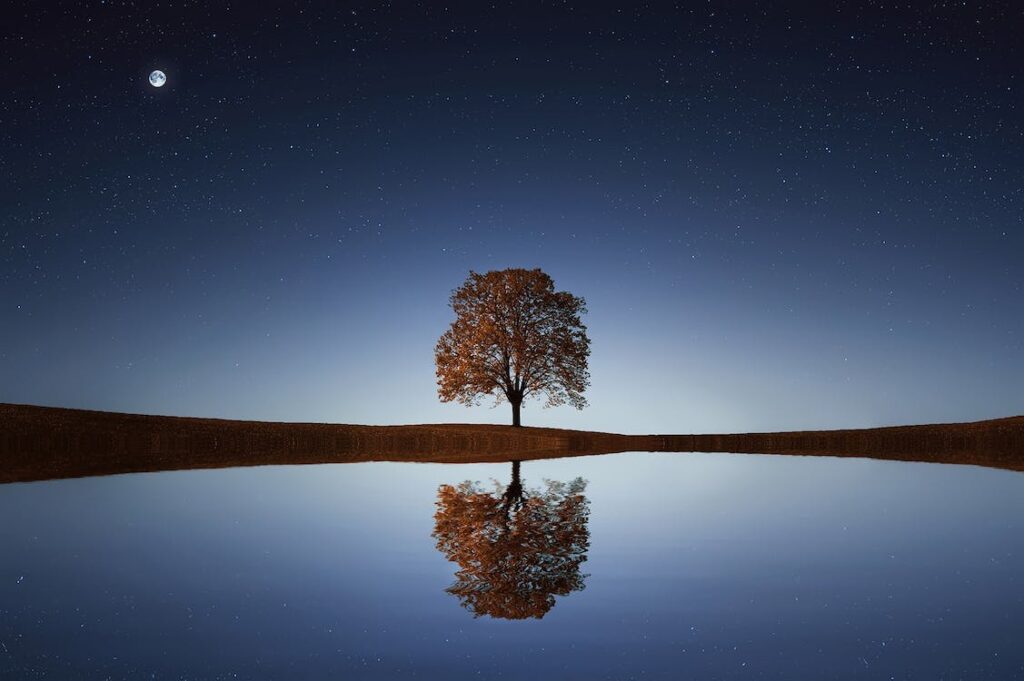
[[41, 443]]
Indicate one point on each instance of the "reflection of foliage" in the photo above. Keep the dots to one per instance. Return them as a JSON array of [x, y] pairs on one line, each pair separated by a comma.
[[516, 550]]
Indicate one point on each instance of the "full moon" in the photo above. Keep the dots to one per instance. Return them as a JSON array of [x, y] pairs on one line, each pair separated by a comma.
[[157, 78]]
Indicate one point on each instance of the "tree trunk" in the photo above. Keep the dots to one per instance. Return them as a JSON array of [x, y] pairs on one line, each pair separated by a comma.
[[513, 497], [516, 404]]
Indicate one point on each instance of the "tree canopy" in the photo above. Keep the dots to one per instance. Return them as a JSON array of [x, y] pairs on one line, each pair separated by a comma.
[[514, 337], [515, 550]]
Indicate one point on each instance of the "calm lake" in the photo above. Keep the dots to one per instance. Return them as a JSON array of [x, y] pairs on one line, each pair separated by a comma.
[[703, 566]]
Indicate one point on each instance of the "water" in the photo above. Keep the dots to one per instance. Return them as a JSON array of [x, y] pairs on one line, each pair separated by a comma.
[[701, 566]]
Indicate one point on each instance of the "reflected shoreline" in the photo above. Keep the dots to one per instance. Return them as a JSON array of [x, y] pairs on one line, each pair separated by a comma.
[[43, 443]]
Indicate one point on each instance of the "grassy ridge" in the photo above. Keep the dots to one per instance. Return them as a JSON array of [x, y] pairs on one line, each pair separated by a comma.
[[40, 443], [997, 443]]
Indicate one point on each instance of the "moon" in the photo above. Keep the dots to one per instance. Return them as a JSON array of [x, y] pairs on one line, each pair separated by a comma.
[[157, 78]]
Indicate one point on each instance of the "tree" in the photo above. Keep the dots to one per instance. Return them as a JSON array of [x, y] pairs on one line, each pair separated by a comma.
[[514, 337], [516, 550]]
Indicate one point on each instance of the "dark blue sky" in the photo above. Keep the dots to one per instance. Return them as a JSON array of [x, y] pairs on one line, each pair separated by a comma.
[[781, 216]]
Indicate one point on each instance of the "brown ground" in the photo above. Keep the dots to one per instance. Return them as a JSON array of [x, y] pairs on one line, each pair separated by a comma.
[[41, 443]]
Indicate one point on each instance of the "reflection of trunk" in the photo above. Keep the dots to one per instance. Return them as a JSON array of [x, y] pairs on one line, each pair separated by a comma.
[[516, 404], [514, 492], [516, 483]]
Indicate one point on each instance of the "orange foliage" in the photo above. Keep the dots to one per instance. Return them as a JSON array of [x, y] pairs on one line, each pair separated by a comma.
[[514, 337], [516, 551]]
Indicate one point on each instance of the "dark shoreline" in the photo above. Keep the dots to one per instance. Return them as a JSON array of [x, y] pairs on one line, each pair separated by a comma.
[[43, 443]]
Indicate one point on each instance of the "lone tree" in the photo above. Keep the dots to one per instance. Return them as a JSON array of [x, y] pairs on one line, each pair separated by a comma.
[[514, 337], [516, 550]]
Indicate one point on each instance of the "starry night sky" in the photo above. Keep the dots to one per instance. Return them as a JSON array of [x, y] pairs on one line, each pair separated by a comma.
[[781, 216]]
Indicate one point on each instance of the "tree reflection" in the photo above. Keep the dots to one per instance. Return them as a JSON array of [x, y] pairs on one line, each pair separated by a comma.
[[516, 549]]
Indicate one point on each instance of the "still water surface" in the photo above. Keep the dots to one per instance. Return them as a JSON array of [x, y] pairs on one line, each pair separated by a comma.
[[703, 566]]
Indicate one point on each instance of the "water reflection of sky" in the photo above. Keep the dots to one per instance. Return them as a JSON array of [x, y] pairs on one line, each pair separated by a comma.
[[700, 565]]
